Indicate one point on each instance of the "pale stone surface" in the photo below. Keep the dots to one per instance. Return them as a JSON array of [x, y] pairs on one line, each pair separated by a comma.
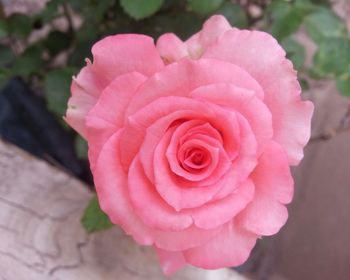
[[41, 236]]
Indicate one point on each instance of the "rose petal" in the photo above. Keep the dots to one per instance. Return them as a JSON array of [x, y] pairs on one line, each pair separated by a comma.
[[124, 53], [113, 56], [246, 103], [173, 190], [246, 160], [85, 89], [111, 186], [171, 48], [79, 104], [214, 152], [149, 124], [107, 115], [170, 261], [212, 29], [260, 55], [216, 213], [192, 129], [231, 247], [179, 79], [182, 240], [266, 214], [149, 206]]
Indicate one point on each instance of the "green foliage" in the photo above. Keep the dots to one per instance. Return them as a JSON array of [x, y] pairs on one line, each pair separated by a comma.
[[29, 62], [19, 25], [343, 84], [286, 16], [324, 27], [3, 29], [234, 13], [4, 75], [139, 9], [57, 89], [56, 42], [50, 11], [204, 7], [184, 25], [295, 52], [94, 219], [324, 24], [81, 147], [6, 55], [332, 57]]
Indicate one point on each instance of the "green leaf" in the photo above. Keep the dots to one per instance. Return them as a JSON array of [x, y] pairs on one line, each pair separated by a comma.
[[49, 12], [332, 57], [204, 7], [57, 89], [304, 84], [3, 29], [56, 42], [183, 24], [81, 51], [325, 24], [343, 84], [19, 25], [321, 2], [295, 52], [94, 219], [4, 77], [29, 62], [93, 11], [286, 17], [6, 55], [139, 9], [234, 13], [81, 147]]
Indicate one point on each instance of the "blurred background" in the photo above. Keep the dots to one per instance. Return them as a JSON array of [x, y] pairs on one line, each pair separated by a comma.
[[44, 43]]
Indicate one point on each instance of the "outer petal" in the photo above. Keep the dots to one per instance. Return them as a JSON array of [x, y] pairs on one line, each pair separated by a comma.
[[107, 116], [85, 89], [171, 48], [216, 213], [170, 261], [260, 55], [212, 29], [78, 105], [229, 248], [120, 54], [266, 214], [113, 56], [185, 239], [111, 186]]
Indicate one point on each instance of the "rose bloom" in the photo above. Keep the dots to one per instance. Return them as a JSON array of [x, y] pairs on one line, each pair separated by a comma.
[[190, 142]]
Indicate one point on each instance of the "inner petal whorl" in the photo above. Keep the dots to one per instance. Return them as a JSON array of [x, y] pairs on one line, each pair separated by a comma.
[[196, 159], [195, 150]]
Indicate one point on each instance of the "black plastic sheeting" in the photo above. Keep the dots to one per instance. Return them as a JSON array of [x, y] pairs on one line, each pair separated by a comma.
[[26, 122]]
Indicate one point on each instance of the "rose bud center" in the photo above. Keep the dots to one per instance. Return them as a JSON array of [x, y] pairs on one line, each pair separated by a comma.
[[196, 158]]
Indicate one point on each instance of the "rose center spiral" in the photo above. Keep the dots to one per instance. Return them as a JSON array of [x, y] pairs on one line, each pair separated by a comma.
[[195, 159]]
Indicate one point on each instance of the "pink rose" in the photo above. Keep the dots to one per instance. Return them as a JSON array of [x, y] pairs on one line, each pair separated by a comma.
[[190, 142]]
